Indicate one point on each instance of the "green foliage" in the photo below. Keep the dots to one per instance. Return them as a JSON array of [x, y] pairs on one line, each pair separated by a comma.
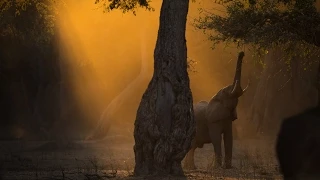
[[191, 65], [28, 20], [124, 5], [293, 25]]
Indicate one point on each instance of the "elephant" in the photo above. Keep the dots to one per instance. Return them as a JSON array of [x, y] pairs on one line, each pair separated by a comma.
[[215, 118], [298, 145]]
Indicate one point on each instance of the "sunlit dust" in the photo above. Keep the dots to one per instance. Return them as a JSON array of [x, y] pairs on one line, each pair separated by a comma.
[[103, 54]]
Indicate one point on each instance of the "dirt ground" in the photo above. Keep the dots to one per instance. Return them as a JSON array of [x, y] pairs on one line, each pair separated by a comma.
[[113, 158]]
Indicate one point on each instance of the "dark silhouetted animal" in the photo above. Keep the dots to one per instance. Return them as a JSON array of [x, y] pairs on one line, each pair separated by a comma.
[[298, 146]]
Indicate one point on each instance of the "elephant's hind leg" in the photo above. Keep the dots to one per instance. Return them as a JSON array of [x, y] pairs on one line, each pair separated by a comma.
[[215, 136], [189, 160], [228, 144]]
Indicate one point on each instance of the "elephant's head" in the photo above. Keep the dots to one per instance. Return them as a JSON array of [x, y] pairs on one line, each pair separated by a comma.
[[223, 104]]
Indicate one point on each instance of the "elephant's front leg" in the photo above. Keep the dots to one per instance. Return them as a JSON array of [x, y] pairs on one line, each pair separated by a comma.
[[215, 130], [228, 143], [189, 161]]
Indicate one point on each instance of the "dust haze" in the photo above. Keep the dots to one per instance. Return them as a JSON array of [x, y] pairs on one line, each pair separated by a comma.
[[106, 63], [104, 52]]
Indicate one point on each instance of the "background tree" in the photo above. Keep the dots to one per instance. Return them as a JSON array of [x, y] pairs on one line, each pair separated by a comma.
[[278, 30], [28, 66], [33, 83], [164, 125]]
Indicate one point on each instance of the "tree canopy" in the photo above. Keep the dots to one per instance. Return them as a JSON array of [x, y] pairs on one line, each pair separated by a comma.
[[124, 5], [265, 24], [28, 19], [290, 27]]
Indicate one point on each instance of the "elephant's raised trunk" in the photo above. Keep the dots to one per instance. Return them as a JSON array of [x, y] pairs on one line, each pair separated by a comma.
[[237, 90]]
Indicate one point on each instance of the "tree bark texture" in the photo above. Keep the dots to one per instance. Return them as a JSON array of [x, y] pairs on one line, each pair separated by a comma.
[[283, 92], [318, 84], [165, 125]]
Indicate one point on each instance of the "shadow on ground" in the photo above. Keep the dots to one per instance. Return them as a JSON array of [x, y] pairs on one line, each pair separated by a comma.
[[113, 158]]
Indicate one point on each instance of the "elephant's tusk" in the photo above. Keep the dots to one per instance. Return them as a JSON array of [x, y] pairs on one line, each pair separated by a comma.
[[245, 89], [235, 87]]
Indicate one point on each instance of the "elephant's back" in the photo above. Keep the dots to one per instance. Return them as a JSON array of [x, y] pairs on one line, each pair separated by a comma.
[[199, 108]]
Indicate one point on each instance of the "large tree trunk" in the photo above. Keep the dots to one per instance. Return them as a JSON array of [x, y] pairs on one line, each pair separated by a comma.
[[318, 84], [165, 125]]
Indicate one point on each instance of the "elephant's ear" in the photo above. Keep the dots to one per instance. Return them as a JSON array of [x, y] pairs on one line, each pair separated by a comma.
[[223, 93], [216, 112]]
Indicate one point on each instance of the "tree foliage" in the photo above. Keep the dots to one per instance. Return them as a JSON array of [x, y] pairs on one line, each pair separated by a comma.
[[191, 65], [290, 27], [124, 5], [28, 20], [265, 24]]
